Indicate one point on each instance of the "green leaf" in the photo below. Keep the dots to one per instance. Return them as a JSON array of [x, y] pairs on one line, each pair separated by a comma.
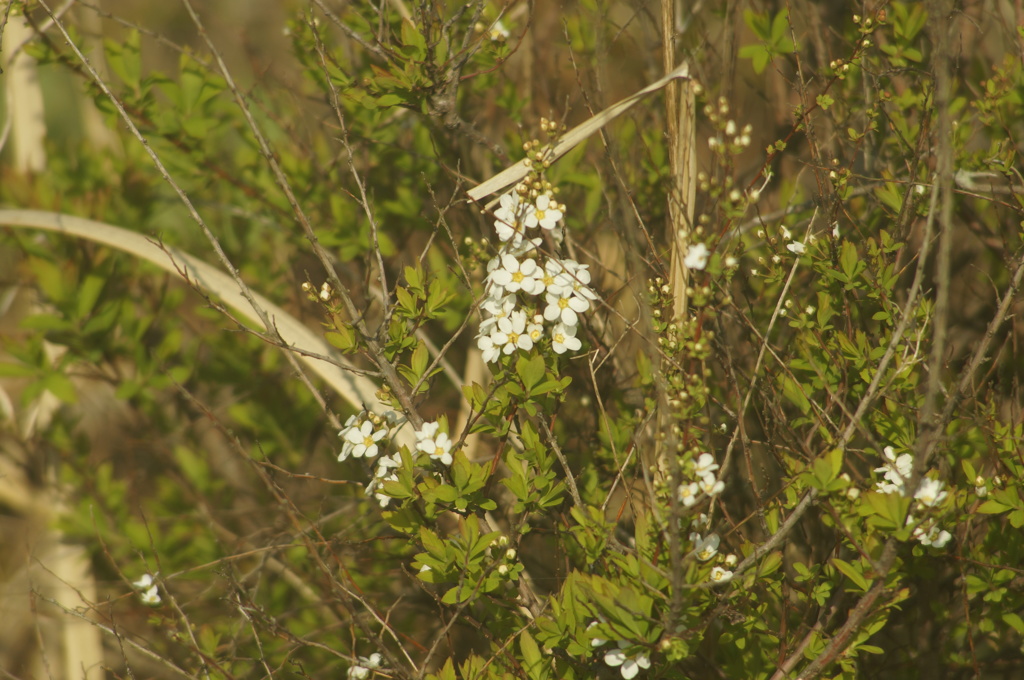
[[344, 338], [993, 507], [533, 660], [780, 27], [420, 360], [1014, 621], [850, 261], [758, 23], [827, 468], [389, 100], [88, 292], [794, 392], [123, 59], [12, 370], [447, 672], [414, 41], [61, 387], [530, 370], [852, 573], [758, 55]]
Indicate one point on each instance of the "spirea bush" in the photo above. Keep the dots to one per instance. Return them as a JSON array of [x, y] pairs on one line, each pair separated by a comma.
[[506, 340]]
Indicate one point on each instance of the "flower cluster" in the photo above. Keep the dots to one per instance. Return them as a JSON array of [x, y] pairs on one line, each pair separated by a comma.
[[929, 494], [148, 591], [628, 664], [697, 256], [524, 291], [705, 481], [364, 667], [361, 434], [705, 548], [435, 444], [386, 466], [361, 438], [795, 247]]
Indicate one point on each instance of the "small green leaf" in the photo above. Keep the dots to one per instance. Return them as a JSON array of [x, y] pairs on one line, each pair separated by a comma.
[[123, 59], [447, 672], [11, 370], [993, 507], [530, 371], [851, 573], [420, 359], [533, 660], [343, 338], [88, 292], [794, 393], [1014, 621]]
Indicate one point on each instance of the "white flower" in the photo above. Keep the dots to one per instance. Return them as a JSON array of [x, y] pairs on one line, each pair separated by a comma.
[[143, 583], [387, 463], [436, 445], [427, 431], [535, 329], [151, 597], [385, 473], [688, 493], [525, 247], [346, 446], [507, 224], [498, 32], [796, 247], [719, 574], [897, 471], [377, 483], [564, 306], [513, 276], [784, 233], [696, 256], [980, 487], [705, 548], [630, 665], [576, 276], [553, 282], [932, 536], [564, 338], [710, 485], [511, 333], [364, 667], [148, 591], [930, 492], [545, 214], [363, 439], [489, 349], [705, 465], [731, 560], [496, 308]]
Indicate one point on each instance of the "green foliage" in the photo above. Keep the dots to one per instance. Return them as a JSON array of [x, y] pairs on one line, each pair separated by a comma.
[[792, 438]]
